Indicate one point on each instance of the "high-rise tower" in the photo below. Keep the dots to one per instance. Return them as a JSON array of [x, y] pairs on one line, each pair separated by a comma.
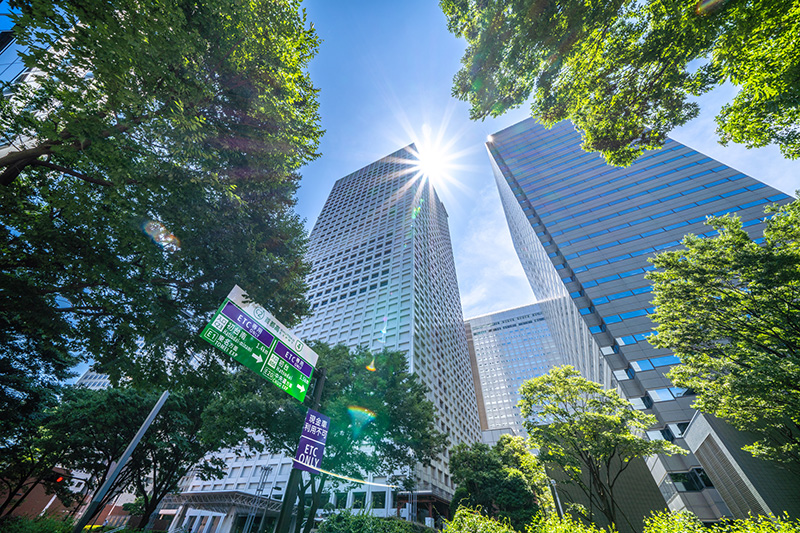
[[384, 276], [508, 347], [583, 231]]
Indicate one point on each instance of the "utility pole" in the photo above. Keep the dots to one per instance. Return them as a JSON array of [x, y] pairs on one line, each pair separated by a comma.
[[296, 476]]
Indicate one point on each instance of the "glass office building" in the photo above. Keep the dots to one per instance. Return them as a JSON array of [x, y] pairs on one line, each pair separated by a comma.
[[584, 230], [508, 347]]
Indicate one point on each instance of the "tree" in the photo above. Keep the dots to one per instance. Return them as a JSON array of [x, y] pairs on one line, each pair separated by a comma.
[[381, 421], [624, 71], [28, 461], [90, 429], [150, 164], [504, 481], [729, 307], [589, 433]]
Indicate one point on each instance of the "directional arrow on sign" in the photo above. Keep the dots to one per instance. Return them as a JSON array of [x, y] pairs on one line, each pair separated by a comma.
[[258, 358], [302, 389]]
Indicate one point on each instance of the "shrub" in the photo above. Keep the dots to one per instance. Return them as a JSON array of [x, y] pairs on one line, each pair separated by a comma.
[[41, 524], [684, 522], [468, 520], [346, 522]]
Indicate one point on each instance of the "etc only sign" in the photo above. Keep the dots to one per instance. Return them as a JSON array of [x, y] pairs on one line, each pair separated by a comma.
[[252, 336], [312, 442]]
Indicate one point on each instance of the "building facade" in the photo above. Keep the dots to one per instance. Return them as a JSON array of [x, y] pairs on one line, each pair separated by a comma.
[[584, 230], [383, 276], [507, 348]]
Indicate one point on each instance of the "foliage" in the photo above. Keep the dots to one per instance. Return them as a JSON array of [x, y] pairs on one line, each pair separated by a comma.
[[590, 433], [134, 508], [728, 307], [466, 520], [151, 165], [624, 71], [40, 524], [92, 428], [401, 435], [685, 522], [346, 522], [565, 524], [28, 460], [505, 481]]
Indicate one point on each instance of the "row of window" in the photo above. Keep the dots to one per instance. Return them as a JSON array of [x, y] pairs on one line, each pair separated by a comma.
[[671, 227], [649, 249], [674, 211], [606, 191], [553, 192]]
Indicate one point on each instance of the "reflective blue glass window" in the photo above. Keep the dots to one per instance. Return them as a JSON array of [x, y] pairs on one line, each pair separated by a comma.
[[665, 361]]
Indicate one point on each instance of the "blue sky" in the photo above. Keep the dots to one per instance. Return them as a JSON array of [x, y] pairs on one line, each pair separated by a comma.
[[384, 71]]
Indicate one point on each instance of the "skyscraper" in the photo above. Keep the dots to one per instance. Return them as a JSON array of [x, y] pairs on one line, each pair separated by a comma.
[[384, 276], [584, 230], [508, 347]]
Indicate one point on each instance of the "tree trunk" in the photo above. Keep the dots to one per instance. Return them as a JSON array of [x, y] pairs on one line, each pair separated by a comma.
[[315, 495]]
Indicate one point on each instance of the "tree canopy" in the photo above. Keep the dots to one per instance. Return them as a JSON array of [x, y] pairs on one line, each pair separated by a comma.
[[89, 430], [504, 481], [589, 433], [149, 164], [729, 307], [625, 71]]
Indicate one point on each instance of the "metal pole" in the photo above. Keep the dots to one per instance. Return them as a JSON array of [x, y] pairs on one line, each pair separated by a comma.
[[259, 491], [296, 476], [559, 510], [263, 525], [98, 497]]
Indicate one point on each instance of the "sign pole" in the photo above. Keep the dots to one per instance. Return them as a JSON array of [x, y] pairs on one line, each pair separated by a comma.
[[295, 478], [90, 511]]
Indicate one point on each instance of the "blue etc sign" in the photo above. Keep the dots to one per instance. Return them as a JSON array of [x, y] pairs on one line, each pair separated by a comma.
[[312, 442]]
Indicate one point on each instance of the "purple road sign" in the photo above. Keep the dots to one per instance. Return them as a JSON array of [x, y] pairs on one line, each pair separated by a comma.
[[293, 359], [312, 442], [248, 324]]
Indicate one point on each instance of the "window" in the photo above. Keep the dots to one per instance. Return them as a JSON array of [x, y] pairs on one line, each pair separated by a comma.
[[660, 395], [359, 500], [665, 361], [378, 500], [341, 500], [692, 481]]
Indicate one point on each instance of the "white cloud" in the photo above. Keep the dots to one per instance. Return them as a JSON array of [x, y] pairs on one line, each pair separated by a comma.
[[490, 276]]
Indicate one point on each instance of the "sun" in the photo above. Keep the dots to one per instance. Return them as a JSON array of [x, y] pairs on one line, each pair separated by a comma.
[[435, 157]]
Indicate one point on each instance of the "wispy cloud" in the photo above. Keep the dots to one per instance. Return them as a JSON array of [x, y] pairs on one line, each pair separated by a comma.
[[490, 275]]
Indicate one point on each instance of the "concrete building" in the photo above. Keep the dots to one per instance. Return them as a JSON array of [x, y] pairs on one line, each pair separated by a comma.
[[584, 230], [383, 277], [507, 348]]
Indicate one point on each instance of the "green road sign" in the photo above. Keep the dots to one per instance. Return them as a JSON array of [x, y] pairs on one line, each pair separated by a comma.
[[247, 332]]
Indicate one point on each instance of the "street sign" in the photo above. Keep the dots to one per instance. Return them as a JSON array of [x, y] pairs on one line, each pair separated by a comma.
[[252, 336], [312, 442]]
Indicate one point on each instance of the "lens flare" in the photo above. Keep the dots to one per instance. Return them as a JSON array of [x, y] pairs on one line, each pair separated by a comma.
[[371, 366], [161, 236], [706, 7], [359, 417]]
